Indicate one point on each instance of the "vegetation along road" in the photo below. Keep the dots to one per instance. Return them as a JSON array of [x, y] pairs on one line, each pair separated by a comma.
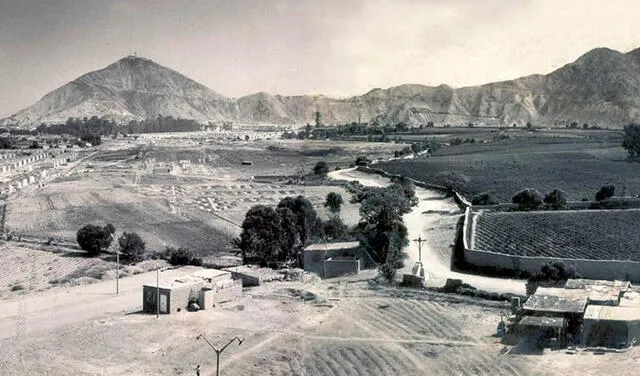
[[431, 207]]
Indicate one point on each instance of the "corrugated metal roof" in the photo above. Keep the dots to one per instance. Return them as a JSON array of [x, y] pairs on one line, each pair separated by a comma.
[[551, 299], [598, 312]]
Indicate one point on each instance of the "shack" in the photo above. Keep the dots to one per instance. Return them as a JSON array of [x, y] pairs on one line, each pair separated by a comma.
[[206, 287], [174, 296], [568, 304], [330, 260], [544, 331], [607, 326]]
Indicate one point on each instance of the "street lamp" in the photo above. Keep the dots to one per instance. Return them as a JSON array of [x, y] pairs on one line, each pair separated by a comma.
[[218, 351]]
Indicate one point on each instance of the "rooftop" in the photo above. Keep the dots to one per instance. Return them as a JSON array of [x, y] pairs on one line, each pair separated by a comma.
[[560, 300], [600, 291], [542, 321], [598, 312], [170, 285], [332, 246]]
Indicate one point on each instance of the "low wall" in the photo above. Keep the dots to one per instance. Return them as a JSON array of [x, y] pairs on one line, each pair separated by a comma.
[[228, 293], [336, 268], [590, 269]]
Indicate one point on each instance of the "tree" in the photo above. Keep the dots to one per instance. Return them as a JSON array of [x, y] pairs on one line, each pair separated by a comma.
[[333, 203], [91, 238], [267, 235], [132, 247], [605, 192], [321, 169], [305, 216], [381, 229], [318, 119], [557, 199], [528, 199], [362, 161], [631, 142]]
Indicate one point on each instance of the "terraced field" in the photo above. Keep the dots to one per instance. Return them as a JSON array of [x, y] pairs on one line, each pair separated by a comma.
[[585, 234]]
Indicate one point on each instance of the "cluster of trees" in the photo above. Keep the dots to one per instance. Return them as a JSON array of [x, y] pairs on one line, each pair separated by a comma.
[[272, 236], [275, 236], [162, 124], [381, 229], [86, 129], [374, 130], [532, 199], [94, 239]]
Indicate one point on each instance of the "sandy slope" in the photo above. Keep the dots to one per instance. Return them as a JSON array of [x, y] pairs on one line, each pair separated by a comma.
[[417, 222]]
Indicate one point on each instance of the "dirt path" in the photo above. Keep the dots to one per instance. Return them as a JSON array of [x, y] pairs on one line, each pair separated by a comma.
[[435, 206], [28, 314]]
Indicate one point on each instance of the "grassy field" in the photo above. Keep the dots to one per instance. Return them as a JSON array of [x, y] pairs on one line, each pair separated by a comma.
[[565, 234], [579, 165]]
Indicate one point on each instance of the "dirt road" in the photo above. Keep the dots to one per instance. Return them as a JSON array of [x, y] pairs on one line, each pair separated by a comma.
[[28, 314], [431, 207]]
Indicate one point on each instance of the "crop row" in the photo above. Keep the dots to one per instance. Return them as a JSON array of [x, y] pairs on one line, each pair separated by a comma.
[[597, 235]]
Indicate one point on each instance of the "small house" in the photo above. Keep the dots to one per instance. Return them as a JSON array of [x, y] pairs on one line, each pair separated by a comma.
[[330, 260], [611, 326]]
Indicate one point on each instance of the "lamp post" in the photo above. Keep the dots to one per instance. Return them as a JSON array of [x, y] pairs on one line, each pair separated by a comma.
[[218, 351], [419, 241]]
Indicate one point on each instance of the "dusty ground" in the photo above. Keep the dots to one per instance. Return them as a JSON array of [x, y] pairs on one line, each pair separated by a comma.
[[347, 326]]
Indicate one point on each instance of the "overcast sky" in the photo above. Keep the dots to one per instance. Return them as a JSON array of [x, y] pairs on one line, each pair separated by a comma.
[[334, 47]]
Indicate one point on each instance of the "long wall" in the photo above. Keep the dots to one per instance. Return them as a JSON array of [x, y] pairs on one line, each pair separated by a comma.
[[591, 269]]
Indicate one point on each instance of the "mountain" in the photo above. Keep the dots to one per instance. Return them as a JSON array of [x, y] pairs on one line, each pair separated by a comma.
[[602, 87], [131, 88]]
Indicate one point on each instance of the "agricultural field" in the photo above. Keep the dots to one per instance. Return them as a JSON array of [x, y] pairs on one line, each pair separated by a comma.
[[199, 203], [584, 234], [577, 162]]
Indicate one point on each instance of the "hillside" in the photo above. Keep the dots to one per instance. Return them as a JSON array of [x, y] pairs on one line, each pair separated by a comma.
[[602, 88]]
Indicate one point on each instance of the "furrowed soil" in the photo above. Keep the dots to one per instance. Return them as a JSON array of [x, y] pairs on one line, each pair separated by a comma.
[[345, 326], [577, 162]]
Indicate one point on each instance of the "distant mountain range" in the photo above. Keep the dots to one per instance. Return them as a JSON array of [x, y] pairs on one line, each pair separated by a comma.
[[601, 88]]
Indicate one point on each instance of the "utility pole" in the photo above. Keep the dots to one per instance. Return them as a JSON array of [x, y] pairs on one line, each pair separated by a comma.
[[218, 351], [419, 241], [117, 272]]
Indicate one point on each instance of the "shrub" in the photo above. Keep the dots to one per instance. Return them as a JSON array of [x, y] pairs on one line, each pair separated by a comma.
[[528, 199], [484, 198], [605, 192], [557, 199], [181, 256], [321, 169], [132, 247]]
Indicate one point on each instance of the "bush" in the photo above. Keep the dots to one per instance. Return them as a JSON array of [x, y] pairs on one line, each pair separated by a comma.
[[181, 256], [484, 198], [321, 169], [528, 199], [557, 199], [132, 247], [605, 192]]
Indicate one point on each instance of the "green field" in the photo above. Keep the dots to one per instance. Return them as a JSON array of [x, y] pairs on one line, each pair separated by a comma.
[[578, 162]]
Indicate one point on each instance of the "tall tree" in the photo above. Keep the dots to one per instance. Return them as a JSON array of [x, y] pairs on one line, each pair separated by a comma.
[[305, 216]]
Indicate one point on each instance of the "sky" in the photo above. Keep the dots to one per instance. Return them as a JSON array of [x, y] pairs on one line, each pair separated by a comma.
[[291, 47]]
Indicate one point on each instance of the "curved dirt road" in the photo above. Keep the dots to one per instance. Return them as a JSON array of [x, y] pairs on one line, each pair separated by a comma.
[[431, 209]]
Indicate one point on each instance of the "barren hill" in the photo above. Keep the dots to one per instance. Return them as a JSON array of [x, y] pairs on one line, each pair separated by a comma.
[[602, 88]]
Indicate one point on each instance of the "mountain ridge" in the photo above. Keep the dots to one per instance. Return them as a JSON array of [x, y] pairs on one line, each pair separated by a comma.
[[601, 87]]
